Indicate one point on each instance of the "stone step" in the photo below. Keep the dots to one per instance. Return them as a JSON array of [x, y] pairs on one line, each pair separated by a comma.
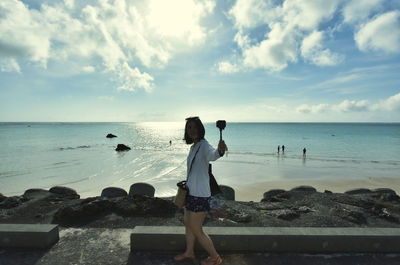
[[28, 235], [273, 239]]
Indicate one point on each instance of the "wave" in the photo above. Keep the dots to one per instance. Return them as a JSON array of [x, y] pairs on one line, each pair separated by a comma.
[[73, 148]]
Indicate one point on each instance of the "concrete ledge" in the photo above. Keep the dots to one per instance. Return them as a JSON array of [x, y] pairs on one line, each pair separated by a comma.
[[28, 235], [273, 239]]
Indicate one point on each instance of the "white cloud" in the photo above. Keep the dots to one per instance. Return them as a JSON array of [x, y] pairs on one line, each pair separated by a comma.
[[69, 3], [251, 13], [286, 26], [227, 68], [357, 11], [351, 105], [118, 32], [319, 108], [382, 33], [9, 65], [88, 69], [390, 104], [312, 50]]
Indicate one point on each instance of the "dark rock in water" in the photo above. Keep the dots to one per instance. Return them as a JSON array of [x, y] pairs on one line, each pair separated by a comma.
[[142, 189], [2, 197], [12, 202], [304, 189], [267, 195], [110, 135], [65, 191], [122, 147], [227, 192], [358, 191], [328, 192], [112, 192]]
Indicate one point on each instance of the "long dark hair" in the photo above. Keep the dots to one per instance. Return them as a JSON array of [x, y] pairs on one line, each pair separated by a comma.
[[200, 129]]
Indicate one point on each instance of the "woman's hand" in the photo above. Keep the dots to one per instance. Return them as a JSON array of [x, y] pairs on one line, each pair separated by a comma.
[[222, 146]]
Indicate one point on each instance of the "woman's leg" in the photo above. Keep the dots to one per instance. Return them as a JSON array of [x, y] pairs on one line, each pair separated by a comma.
[[190, 237], [196, 225]]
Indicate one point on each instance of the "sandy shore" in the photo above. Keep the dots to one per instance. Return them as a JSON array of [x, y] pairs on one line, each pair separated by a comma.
[[255, 191]]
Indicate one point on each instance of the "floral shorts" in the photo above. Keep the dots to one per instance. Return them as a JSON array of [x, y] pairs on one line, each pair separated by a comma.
[[197, 204]]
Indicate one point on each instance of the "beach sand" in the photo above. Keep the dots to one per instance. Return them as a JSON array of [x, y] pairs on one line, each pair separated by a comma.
[[255, 191]]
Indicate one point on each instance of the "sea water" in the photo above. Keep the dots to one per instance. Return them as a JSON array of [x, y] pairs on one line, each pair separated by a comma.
[[78, 155]]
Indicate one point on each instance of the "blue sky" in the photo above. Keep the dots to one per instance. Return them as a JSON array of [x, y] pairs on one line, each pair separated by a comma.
[[239, 60]]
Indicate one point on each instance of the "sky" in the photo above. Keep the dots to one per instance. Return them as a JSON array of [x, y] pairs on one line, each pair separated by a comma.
[[237, 60]]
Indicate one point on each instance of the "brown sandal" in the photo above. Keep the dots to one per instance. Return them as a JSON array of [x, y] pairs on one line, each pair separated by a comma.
[[182, 257], [212, 261]]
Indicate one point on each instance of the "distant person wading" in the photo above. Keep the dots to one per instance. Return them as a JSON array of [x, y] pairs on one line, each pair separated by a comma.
[[198, 199]]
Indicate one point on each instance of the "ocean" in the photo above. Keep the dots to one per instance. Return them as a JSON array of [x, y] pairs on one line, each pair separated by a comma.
[[78, 155]]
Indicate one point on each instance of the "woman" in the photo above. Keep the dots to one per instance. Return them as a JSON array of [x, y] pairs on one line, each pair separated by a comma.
[[198, 199]]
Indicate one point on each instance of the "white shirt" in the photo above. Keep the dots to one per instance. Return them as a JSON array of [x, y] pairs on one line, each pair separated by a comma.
[[199, 180]]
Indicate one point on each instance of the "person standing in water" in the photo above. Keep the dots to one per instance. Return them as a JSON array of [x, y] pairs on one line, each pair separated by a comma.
[[199, 196], [304, 151], [279, 148], [283, 149]]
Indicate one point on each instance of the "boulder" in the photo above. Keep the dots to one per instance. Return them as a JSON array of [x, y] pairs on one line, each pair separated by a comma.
[[12, 202], [142, 189], [227, 192], [65, 192], [358, 191], [84, 212], [304, 189], [112, 192], [122, 147], [110, 135], [36, 194], [272, 193], [2, 197], [285, 214], [385, 191]]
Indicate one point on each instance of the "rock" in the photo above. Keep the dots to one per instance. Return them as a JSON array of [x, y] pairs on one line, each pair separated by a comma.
[[2, 197], [84, 212], [36, 194], [269, 194], [328, 192], [112, 192], [227, 192], [241, 218], [122, 147], [386, 214], [142, 189], [286, 214], [12, 202], [358, 191], [65, 192], [110, 135], [304, 189], [349, 215], [139, 205], [385, 191]]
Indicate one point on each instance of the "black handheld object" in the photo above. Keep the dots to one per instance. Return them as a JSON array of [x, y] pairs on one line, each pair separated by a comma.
[[221, 125]]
